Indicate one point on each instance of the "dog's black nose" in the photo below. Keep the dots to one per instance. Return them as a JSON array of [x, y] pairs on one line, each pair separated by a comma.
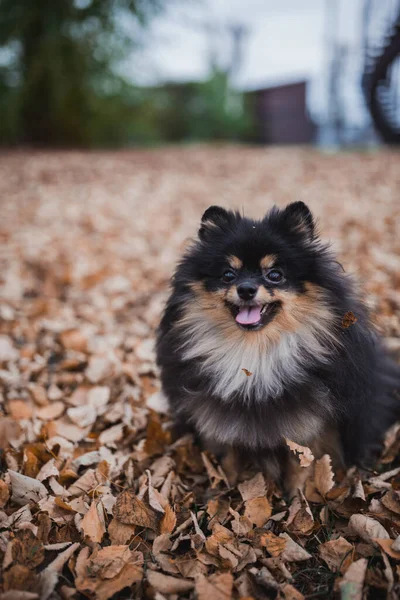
[[246, 290]]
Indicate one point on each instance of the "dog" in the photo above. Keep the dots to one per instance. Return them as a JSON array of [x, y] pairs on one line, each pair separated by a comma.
[[264, 339]]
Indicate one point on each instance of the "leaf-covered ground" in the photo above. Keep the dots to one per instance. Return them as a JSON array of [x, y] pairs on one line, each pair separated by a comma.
[[96, 499]]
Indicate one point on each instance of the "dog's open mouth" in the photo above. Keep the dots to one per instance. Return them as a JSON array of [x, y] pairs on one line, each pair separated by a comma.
[[254, 316]]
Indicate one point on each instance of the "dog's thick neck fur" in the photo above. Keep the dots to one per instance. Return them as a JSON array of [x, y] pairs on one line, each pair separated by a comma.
[[228, 354]]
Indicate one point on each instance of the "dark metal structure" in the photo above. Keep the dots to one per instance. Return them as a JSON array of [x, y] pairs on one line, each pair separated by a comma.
[[381, 85]]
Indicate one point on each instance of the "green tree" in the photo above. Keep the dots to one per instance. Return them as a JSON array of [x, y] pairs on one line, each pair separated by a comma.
[[59, 87]]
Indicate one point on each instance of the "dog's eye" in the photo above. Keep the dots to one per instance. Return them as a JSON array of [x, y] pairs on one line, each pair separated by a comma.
[[228, 276], [274, 276]]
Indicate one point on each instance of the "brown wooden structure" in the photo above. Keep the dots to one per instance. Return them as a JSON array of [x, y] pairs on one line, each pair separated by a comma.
[[280, 114]]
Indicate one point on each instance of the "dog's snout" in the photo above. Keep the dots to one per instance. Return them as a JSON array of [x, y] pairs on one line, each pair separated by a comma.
[[247, 290]]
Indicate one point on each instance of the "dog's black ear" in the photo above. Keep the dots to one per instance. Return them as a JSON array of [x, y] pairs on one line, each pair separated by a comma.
[[213, 217], [297, 218]]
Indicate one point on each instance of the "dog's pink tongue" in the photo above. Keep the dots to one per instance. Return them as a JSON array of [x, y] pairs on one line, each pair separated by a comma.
[[249, 315]]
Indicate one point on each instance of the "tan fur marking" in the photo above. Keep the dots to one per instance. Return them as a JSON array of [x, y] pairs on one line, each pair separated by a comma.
[[268, 261], [235, 262]]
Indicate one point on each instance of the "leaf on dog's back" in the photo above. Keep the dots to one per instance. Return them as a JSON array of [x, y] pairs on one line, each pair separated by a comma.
[[247, 372], [349, 319]]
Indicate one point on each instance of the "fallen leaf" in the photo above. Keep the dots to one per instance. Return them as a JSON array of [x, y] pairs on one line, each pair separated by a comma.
[[367, 528], [258, 510], [214, 475], [388, 546], [27, 550], [19, 577], [74, 339], [303, 453], [25, 489], [220, 535], [293, 552], [161, 547], [253, 488], [351, 586], [132, 511], [274, 544], [338, 554], [92, 572], [323, 475], [165, 584], [49, 469], [218, 587], [93, 524], [120, 533], [290, 593], [7, 350], [4, 493], [247, 372], [300, 520]]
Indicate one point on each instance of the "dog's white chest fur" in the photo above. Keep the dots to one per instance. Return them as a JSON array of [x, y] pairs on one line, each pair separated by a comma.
[[226, 358]]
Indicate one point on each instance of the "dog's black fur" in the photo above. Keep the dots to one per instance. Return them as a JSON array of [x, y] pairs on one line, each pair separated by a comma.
[[311, 374]]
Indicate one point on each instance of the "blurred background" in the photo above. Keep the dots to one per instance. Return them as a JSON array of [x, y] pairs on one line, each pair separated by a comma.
[[113, 73]]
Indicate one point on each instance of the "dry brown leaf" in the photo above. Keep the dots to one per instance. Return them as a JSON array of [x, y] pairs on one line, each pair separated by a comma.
[[220, 535], [303, 453], [387, 546], [120, 533], [19, 595], [49, 469], [165, 584], [168, 521], [19, 577], [92, 574], [292, 551], [300, 520], [351, 586], [10, 431], [132, 511], [247, 372], [253, 488], [323, 475], [93, 525], [218, 587], [25, 489], [161, 547], [229, 558], [274, 544], [367, 528], [290, 593], [258, 510], [214, 475], [4, 493], [348, 320], [26, 549], [240, 525], [338, 554], [391, 500], [74, 339], [51, 411], [20, 409]]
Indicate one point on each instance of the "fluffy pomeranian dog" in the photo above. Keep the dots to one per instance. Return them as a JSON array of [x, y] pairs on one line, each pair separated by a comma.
[[256, 346]]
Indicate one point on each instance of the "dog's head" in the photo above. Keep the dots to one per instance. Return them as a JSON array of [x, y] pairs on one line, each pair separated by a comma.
[[252, 274]]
